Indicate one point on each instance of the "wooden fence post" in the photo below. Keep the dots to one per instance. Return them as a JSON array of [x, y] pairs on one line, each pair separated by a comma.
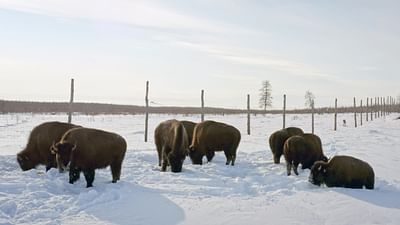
[[355, 112], [312, 117], [71, 100], [361, 111], [367, 111], [248, 114], [284, 111], [384, 107], [202, 105], [335, 118], [146, 121], [375, 108], [372, 109]]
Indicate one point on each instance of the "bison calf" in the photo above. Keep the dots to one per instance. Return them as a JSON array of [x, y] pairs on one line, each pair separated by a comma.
[[304, 150], [37, 151], [172, 144], [210, 136], [278, 138], [343, 171], [89, 149]]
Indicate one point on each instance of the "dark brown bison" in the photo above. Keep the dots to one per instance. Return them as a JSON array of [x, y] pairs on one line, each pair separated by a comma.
[[210, 136], [278, 138], [37, 151], [304, 150], [89, 149], [189, 126], [172, 144], [343, 171]]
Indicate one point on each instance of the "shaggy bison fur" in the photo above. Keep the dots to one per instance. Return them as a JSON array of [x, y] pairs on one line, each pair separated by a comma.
[[210, 136], [278, 138], [343, 171], [172, 144], [304, 150], [89, 149], [189, 127], [37, 151]]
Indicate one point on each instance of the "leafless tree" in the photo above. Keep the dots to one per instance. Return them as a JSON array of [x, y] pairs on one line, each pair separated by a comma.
[[265, 95], [310, 98]]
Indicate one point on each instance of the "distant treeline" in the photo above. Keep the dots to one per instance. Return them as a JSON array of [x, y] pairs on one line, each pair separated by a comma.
[[99, 108]]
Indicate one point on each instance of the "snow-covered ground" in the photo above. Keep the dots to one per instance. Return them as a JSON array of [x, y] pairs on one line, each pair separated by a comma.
[[254, 191]]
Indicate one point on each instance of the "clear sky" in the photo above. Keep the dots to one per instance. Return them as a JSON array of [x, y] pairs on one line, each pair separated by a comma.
[[226, 47]]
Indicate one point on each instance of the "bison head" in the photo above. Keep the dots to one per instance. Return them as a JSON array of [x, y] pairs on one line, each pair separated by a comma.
[[176, 162], [63, 154], [25, 162], [318, 173], [196, 156]]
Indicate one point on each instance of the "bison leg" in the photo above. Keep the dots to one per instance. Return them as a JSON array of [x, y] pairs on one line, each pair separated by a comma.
[[288, 168], [369, 184], [210, 155], [116, 171], [230, 158], [89, 176], [164, 162], [277, 158], [233, 159], [295, 165]]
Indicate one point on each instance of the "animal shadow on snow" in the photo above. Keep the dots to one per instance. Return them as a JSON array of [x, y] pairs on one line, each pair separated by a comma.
[[136, 205], [384, 194]]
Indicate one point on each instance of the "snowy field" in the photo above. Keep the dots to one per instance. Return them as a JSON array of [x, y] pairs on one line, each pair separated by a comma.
[[254, 191]]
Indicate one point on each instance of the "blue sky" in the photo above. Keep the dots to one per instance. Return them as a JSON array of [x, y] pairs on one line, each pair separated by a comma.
[[333, 48]]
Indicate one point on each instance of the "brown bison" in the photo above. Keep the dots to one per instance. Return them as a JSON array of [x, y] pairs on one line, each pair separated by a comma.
[[210, 136], [343, 171], [278, 138], [89, 149], [189, 127], [37, 151], [172, 144], [304, 150]]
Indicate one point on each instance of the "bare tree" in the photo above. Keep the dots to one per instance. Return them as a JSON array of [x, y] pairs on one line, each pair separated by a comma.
[[309, 97], [265, 95]]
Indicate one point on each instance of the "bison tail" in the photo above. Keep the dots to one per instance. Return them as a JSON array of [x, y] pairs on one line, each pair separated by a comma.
[[179, 136]]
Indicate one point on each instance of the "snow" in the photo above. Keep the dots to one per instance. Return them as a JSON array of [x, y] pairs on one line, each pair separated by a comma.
[[254, 191]]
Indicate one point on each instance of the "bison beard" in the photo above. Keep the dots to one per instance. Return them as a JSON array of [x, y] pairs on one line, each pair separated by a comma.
[[104, 149]]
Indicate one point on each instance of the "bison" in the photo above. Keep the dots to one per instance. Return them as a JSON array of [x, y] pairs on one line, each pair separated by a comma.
[[343, 171], [37, 151], [304, 150], [172, 144], [210, 136], [278, 138], [87, 149], [189, 126]]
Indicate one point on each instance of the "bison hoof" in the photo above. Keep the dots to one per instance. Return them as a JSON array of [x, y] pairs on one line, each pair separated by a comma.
[[89, 185]]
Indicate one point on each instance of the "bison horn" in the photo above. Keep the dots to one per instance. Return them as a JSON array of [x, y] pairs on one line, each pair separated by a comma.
[[53, 148], [74, 147]]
